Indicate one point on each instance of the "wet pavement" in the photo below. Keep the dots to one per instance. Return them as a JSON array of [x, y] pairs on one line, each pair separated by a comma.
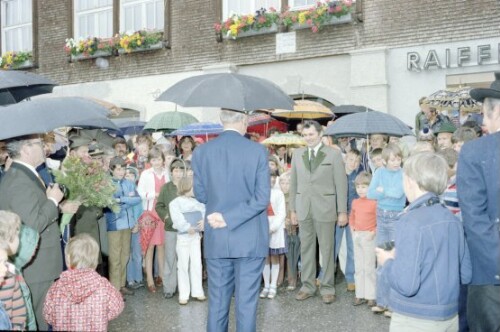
[[152, 312]]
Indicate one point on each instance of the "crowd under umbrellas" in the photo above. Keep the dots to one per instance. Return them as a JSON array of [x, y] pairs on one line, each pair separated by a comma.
[[234, 92]]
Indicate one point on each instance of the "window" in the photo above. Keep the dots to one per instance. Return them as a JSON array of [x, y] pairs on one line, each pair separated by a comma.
[[142, 14], [230, 7], [17, 29], [93, 18], [300, 4]]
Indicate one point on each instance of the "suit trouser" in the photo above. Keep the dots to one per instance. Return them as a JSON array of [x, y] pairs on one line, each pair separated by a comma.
[[241, 276], [38, 292], [483, 308], [292, 256], [189, 266], [170, 266], [309, 230], [119, 253], [365, 264]]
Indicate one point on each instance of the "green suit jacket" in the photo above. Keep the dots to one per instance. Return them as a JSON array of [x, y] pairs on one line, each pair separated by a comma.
[[23, 193], [320, 188]]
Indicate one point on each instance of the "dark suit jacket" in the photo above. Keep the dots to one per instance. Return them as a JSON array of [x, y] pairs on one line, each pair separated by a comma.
[[231, 176], [321, 190], [478, 189], [23, 193]]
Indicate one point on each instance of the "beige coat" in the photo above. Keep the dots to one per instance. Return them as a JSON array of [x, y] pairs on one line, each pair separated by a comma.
[[322, 190]]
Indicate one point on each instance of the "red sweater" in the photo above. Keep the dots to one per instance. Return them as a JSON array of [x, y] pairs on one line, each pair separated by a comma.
[[363, 215]]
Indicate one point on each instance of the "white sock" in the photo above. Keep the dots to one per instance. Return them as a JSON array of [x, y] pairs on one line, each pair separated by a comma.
[[266, 274], [275, 271]]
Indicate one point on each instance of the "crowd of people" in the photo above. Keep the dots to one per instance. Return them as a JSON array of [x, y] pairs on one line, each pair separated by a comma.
[[410, 225]]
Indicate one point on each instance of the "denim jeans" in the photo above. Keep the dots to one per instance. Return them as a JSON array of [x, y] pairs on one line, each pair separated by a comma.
[[134, 265], [385, 232], [349, 268]]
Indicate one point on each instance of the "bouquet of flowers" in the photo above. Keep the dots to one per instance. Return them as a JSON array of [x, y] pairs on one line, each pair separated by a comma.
[[88, 183]]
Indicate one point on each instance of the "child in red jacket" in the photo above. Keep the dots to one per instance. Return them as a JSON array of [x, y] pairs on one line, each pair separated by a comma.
[[82, 300]]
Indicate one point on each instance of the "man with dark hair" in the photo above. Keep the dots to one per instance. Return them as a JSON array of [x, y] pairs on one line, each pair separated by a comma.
[[478, 189], [318, 199], [120, 147]]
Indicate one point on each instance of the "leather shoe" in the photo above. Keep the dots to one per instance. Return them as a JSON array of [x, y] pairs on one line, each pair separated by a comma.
[[301, 296], [351, 287], [126, 291], [328, 298]]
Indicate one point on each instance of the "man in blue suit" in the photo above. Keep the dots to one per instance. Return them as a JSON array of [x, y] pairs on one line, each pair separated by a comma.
[[478, 188], [231, 176]]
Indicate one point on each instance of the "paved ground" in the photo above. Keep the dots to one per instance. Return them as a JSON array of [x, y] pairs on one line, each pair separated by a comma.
[[152, 312]]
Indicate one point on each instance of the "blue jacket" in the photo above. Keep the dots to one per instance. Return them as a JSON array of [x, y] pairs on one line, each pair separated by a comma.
[[127, 197], [231, 176], [432, 259], [351, 187], [393, 198], [478, 189]]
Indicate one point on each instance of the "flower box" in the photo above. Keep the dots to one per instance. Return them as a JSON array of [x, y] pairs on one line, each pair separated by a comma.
[[16, 60], [85, 56], [251, 32], [332, 21], [153, 47]]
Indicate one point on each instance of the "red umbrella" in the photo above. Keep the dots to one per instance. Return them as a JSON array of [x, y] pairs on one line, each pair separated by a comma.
[[147, 224]]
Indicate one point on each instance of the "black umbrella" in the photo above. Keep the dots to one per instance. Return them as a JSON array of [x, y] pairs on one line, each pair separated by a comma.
[[346, 109], [230, 91], [367, 123], [45, 114], [19, 85]]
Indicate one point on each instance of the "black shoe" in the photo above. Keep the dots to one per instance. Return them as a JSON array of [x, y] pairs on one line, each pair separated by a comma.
[[168, 295], [136, 285]]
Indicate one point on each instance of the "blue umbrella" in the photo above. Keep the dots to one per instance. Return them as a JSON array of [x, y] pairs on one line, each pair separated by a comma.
[[199, 128], [128, 127]]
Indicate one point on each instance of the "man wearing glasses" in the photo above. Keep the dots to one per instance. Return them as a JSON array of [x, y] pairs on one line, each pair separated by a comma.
[[22, 191]]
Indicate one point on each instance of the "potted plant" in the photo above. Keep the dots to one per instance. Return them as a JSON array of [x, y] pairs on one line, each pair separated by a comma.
[[237, 26], [88, 48], [141, 40], [16, 60], [321, 14]]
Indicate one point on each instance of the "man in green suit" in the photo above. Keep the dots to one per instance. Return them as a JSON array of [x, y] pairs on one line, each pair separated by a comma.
[[318, 198], [22, 191]]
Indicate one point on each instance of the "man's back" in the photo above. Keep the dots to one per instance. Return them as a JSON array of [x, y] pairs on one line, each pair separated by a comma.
[[231, 176]]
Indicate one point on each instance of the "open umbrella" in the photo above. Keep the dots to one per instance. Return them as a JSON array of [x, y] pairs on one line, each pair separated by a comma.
[[236, 92], [200, 128], [346, 109], [367, 123], [128, 127], [286, 139], [454, 99], [112, 108], [45, 114], [18, 85], [169, 121], [304, 109]]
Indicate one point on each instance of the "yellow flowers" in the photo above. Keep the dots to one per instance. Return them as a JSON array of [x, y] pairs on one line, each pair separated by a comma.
[[302, 17], [234, 29], [13, 60]]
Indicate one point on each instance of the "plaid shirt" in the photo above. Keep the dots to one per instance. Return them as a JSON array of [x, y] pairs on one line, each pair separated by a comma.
[[81, 300]]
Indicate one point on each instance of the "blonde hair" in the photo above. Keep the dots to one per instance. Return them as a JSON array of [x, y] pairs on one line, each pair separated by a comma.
[[156, 152], [10, 224], [185, 185], [422, 146], [82, 252], [429, 170], [393, 149], [363, 178]]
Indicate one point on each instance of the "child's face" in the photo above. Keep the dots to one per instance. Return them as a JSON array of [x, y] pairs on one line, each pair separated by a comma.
[[394, 140], [129, 175], [394, 162], [458, 146], [444, 140], [361, 189], [352, 162], [272, 166], [177, 174], [377, 161], [285, 186], [281, 151], [377, 141], [143, 150], [156, 162], [118, 172]]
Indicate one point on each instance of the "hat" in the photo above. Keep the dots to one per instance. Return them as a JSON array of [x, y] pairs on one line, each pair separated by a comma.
[[492, 92], [446, 127], [425, 134], [77, 140]]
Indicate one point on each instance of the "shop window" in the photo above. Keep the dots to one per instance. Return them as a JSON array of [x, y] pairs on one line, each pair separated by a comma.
[[142, 14], [17, 28], [230, 7], [93, 18]]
